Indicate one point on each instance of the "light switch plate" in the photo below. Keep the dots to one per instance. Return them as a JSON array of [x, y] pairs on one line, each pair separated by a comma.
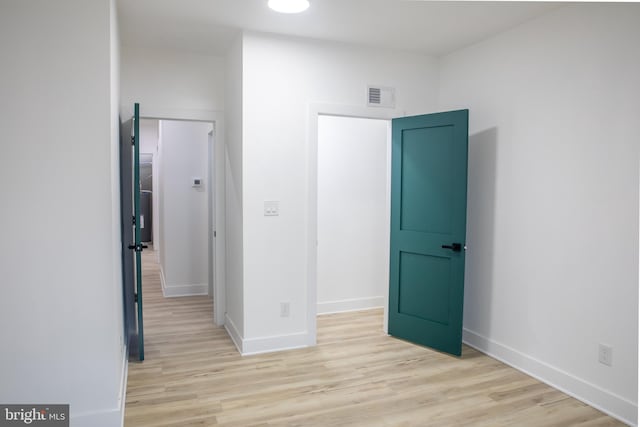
[[271, 208]]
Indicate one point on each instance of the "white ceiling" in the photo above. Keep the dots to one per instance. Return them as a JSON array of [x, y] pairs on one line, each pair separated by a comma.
[[433, 28]]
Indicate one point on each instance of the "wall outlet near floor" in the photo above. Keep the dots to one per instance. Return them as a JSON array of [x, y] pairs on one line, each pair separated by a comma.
[[284, 309], [605, 354]]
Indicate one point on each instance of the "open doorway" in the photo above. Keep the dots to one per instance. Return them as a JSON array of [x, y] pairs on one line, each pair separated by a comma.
[[146, 198], [182, 204], [353, 213]]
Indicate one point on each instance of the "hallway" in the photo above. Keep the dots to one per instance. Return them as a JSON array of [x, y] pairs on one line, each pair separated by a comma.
[[174, 322], [356, 376]]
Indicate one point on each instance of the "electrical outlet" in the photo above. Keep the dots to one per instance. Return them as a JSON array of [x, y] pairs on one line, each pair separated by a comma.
[[272, 208], [284, 309], [605, 354]]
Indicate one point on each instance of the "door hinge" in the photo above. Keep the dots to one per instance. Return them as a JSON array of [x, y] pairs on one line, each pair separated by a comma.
[[133, 220], [133, 140], [135, 297]]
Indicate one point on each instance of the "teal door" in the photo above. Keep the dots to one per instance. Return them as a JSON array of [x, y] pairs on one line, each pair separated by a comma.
[[131, 234], [428, 229], [137, 246]]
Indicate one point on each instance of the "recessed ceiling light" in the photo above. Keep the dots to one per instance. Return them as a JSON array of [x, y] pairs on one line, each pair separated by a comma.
[[289, 6]]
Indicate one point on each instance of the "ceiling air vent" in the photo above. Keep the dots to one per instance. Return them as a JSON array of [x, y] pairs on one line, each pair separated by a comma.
[[378, 96]]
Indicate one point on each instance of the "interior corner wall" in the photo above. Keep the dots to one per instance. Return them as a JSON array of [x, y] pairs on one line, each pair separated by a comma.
[[552, 265], [282, 77], [234, 260], [61, 305]]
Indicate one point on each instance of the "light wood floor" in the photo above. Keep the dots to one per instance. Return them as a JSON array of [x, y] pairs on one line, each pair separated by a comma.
[[356, 376]]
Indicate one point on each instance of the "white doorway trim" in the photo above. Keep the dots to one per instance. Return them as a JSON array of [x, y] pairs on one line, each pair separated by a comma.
[[211, 210], [216, 230], [315, 110], [217, 118]]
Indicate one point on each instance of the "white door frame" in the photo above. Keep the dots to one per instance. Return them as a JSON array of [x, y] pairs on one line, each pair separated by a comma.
[[314, 111], [217, 228], [218, 153], [211, 210]]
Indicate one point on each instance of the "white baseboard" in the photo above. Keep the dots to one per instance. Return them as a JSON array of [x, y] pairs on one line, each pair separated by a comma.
[[353, 304], [188, 290], [601, 399], [251, 346], [107, 418], [271, 344], [233, 332], [122, 398]]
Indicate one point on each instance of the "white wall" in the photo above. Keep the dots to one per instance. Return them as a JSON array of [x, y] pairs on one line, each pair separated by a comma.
[[149, 134], [282, 77], [114, 414], [234, 317], [61, 301], [353, 213], [172, 84], [184, 212], [553, 197]]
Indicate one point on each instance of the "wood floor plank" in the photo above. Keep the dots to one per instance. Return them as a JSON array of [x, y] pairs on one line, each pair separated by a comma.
[[355, 376]]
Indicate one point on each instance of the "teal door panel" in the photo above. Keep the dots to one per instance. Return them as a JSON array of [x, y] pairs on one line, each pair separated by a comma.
[[426, 172], [138, 246], [131, 235], [127, 233], [428, 229]]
